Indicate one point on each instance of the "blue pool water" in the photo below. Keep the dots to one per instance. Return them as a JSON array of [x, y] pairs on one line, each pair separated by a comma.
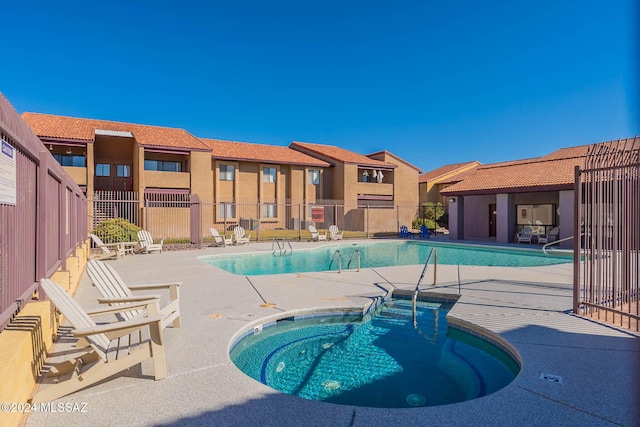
[[382, 361], [381, 254]]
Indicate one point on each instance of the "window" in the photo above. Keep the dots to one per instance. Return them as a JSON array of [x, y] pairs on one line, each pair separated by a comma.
[[314, 177], [269, 175], [226, 172], [103, 169], [162, 166], [269, 210], [123, 171], [227, 210], [538, 217], [70, 160]]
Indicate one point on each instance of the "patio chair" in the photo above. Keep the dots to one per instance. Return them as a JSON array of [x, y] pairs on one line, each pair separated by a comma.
[[115, 292], [525, 235], [424, 232], [551, 237], [335, 233], [219, 240], [110, 348], [315, 236], [240, 236], [404, 233], [107, 250], [146, 242]]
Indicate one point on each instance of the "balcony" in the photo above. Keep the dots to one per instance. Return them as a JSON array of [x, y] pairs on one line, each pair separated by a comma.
[[158, 179], [375, 189]]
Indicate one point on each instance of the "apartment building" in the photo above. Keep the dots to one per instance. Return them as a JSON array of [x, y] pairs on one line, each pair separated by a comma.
[[246, 183]]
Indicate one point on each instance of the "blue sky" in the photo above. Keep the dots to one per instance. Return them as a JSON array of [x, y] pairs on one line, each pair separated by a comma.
[[434, 82]]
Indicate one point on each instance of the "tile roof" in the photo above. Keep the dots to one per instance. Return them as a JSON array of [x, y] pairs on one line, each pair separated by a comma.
[[61, 127], [446, 170], [331, 152], [239, 151], [553, 171], [400, 159]]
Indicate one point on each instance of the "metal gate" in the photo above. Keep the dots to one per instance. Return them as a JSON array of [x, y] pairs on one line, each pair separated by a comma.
[[607, 219]]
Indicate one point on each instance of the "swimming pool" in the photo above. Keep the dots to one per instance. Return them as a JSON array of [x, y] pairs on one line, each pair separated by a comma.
[[380, 361], [380, 254]]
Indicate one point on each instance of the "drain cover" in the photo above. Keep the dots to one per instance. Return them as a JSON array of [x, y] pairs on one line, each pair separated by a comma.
[[268, 305], [551, 378], [416, 400], [216, 316]]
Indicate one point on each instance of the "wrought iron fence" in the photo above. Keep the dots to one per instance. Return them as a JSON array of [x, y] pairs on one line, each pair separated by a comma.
[[46, 224], [186, 219], [607, 255]]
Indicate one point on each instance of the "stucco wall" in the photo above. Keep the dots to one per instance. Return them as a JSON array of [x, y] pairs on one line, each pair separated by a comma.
[[476, 216]]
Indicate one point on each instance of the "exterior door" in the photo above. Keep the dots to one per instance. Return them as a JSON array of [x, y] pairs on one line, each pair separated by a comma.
[[493, 217], [113, 177]]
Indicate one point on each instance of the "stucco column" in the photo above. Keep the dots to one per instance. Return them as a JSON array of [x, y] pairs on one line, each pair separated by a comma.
[[456, 218], [565, 216], [505, 218]]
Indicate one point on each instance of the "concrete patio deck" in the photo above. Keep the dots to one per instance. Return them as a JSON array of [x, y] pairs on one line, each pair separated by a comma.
[[529, 307]]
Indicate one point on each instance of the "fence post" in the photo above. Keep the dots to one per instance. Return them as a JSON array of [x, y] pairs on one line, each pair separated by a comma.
[[300, 222], [41, 201], [258, 213], [577, 197], [367, 212], [195, 220]]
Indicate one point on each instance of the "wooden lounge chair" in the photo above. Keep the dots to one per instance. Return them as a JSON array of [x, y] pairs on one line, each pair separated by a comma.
[[240, 236], [551, 237], [525, 235], [219, 240], [146, 242], [110, 348], [315, 236], [108, 250], [334, 232], [115, 291]]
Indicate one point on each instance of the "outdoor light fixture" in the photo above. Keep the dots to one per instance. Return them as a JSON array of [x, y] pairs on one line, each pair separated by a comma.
[[452, 200], [50, 147], [68, 150]]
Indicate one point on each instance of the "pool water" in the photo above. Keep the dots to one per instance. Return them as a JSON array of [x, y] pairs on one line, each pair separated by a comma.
[[382, 361], [380, 254]]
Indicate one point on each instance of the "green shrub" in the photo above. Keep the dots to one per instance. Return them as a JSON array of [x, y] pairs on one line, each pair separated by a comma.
[[117, 230]]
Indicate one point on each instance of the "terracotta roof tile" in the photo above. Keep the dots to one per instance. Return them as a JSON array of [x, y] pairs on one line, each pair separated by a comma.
[[233, 150], [555, 170], [331, 152], [400, 159], [446, 170], [51, 126]]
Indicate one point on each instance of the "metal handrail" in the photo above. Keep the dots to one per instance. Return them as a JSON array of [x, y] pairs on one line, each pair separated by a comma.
[[275, 242], [544, 247], [281, 249], [286, 239], [356, 252], [414, 299], [333, 257]]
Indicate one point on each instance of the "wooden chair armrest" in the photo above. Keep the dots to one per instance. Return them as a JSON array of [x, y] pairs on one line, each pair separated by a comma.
[[143, 286], [120, 328], [137, 298], [125, 307]]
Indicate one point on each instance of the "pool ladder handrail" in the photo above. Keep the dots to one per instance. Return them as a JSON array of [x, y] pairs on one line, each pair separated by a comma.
[[414, 300], [281, 248], [546, 245], [333, 257], [354, 253], [338, 254]]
